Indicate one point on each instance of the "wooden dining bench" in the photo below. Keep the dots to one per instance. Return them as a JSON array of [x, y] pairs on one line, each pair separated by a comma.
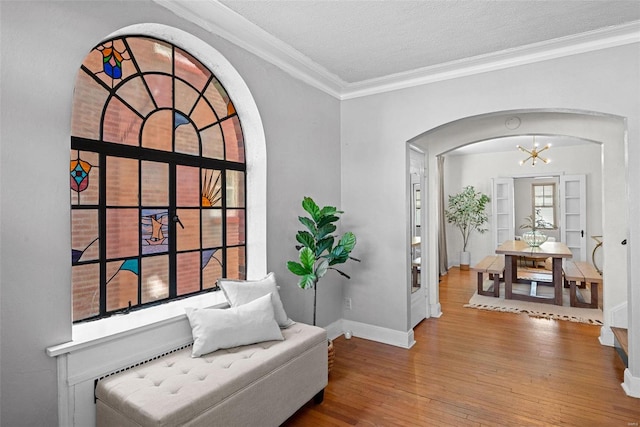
[[579, 274], [494, 266]]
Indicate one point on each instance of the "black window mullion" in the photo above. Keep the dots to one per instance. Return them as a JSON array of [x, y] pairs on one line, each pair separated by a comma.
[[102, 233], [173, 229]]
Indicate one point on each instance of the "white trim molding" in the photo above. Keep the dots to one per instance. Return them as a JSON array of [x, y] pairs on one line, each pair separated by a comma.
[[631, 384]]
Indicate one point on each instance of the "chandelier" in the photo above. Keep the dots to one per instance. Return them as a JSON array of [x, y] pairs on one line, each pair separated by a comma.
[[534, 153]]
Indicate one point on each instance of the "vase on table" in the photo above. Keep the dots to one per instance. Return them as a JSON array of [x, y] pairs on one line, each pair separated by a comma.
[[534, 238]]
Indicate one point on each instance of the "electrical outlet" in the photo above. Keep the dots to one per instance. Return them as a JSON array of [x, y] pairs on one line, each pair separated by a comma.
[[347, 303]]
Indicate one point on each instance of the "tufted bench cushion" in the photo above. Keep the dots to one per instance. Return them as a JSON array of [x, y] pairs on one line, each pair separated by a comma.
[[258, 384]]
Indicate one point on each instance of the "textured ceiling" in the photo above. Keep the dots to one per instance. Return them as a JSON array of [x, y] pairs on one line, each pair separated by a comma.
[[363, 40]]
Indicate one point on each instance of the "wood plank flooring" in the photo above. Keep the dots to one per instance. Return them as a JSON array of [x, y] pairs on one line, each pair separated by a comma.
[[476, 368]]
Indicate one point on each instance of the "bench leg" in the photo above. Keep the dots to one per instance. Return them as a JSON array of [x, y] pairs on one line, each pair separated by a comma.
[[319, 397], [496, 285], [573, 298], [594, 295]]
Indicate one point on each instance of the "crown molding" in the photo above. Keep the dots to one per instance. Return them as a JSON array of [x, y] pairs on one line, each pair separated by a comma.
[[218, 19]]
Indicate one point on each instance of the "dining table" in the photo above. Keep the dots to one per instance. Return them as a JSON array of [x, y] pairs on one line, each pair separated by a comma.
[[514, 249]]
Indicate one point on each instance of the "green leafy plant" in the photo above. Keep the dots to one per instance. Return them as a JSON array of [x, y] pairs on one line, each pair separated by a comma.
[[467, 212], [535, 221], [319, 249]]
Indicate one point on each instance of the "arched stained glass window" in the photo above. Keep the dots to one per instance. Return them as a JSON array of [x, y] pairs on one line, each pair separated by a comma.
[[157, 178]]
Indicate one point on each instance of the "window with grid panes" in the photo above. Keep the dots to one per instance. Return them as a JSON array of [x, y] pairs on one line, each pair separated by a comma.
[[157, 177], [544, 204]]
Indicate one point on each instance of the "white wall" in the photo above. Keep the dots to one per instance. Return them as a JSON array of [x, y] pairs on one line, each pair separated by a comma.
[[376, 128], [479, 169], [43, 44]]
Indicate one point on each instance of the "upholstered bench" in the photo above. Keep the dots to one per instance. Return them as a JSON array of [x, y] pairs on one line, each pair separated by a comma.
[[259, 384]]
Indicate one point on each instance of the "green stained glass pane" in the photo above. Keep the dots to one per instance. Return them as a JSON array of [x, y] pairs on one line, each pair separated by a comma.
[[122, 181], [155, 278], [235, 189]]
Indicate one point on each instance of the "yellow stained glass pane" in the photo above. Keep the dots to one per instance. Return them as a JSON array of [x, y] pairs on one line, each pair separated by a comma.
[[121, 124], [155, 278], [212, 142], [203, 115], [189, 236], [235, 189], [122, 286], [188, 186], [89, 98], [122, 233], [122, 181], [155, 184], [236, 264], [84, 234], [157, 132], [161, 88], [233, 140], [85, 283], [211, 188], [211, 228], [191, 70], [235, 227], [188, 272], [151, 55], [187, 140], [135, 93]]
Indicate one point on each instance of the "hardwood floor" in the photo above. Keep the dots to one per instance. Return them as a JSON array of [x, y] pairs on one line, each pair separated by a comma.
[[476, 368]]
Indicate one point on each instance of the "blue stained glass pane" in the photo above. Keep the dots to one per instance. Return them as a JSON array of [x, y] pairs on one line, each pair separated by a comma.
[[180, 119]]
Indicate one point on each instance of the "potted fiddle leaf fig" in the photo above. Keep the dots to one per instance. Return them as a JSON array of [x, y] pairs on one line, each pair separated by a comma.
[[319, 249], [467, 212]]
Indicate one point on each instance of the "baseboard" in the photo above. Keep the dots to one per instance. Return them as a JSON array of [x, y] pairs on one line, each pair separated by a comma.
[[435, 310], [379, 334], [631, 384], [606, 336]]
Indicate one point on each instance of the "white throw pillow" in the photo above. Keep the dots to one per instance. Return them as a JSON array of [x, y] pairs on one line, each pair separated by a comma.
[[239, 292], [216, 328]]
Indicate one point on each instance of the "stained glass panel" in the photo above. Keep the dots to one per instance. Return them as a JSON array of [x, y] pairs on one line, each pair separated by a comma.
[[122, 181], [235, 227], [161, 88], [155, 184], [88, 101], [212, 142], [203, 115], [85, 281], [189, 236], [211, 267], [84, 240], [186, 97], [151, 55], [122, 233], [122, 284], [155, 278], [135, 93], [211, 228], [211, 188], [121, 124], [218, 98], [235, 189], [236, 268], [155, 231], [233, 140], [188, 186], [84, 177], [158, 131], [187, 140], [188, 271], [110, 62], [191, 70]]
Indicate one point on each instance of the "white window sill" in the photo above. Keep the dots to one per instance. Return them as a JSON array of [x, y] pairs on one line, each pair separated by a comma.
[[91, 333]]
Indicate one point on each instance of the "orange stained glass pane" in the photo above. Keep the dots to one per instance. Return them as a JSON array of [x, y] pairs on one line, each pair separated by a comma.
[[89, 98], [187, 140], [155, 184], [217, 97], [122, 286], [84, 233], [236, 264], [211, 228], [235, 227], [87, 191], [151, 55], [189, 236], [155, 278], [212, 142], [85, 286], [212, 268], [188, 272], [186, 96], [188, 186], [122, 232], [190, 69], [161, 88], [235, 189], [233, 140], [211, 188], [203, 115], [121, 124], [110, 62], [135, 93], [157, 132], [122, 181]]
